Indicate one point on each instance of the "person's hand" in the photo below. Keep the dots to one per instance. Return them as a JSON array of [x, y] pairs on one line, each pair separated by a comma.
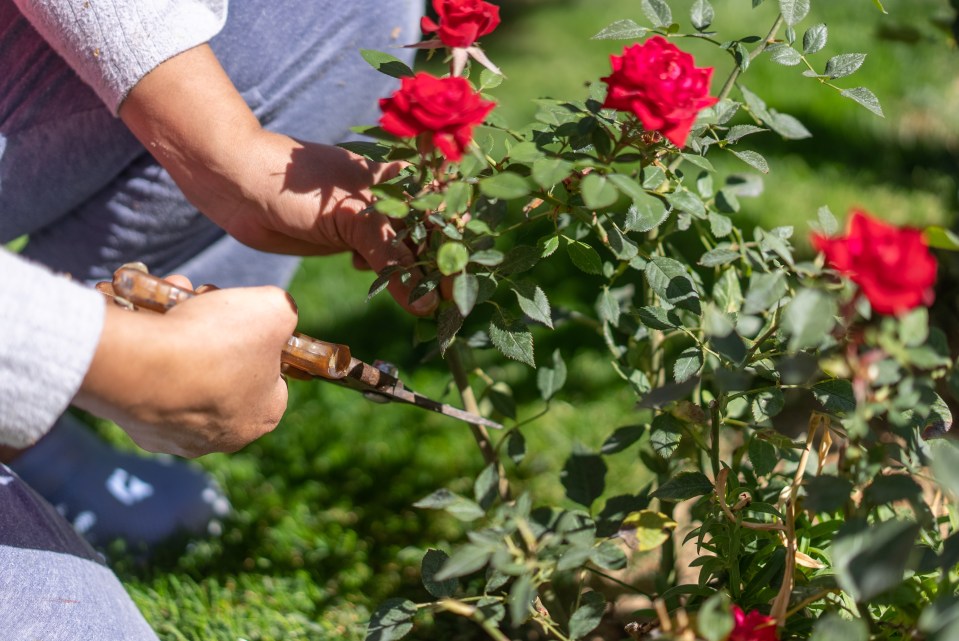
[[204, 377], [267, 190]]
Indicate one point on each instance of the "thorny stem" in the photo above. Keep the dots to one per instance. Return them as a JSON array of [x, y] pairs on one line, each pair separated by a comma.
[[714, 445], [473, 614], [737, 70], [455, 361]]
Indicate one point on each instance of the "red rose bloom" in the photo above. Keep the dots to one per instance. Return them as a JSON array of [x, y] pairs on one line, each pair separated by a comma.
[[441, 110], [754, 626], [661, 85], [892, 266], [461, 22]]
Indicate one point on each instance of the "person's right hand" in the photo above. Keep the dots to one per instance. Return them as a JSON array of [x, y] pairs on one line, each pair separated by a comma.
[[204, 377], [267, 190]]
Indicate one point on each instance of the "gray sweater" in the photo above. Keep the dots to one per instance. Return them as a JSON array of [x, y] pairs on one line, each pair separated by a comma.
[[49, 326]]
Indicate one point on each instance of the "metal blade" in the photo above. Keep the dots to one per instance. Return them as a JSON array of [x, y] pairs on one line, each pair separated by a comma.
[[374, 381]]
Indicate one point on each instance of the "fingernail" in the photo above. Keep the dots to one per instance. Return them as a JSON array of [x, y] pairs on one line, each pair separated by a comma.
[[289, 298]]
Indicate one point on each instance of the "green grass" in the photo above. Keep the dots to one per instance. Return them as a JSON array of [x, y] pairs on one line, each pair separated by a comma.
[[324, 528]]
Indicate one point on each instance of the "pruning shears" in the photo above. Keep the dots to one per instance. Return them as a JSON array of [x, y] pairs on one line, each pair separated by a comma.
[[303, 356]]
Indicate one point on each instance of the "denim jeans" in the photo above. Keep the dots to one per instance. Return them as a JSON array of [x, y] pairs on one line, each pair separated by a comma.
[[89, 195]]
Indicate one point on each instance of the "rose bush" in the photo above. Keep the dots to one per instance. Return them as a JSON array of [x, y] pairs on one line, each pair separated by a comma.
[[785, 423]]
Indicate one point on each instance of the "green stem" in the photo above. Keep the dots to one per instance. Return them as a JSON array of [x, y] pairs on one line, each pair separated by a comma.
[[737, 70], [714, 440], [454, 359]]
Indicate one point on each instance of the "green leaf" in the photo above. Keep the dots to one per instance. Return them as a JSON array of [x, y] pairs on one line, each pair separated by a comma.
[[392, 207], [513, 340], [452, 258], [864, 97], [827, 493], [684, 485], [391, 621], [457, 197], [669, 279], [622, 30], [459, 506], [815, 39], [598, 192], [832, 627], [608, 307], [465, 293], [465, 560], [765, 292], [657, 318], [888, 488], [622, 438], [584, 477], [665, 435], [718, 256], [844, 64], [532, 300], [526, 152], [873, 560], [793, 10], [715, 618], [646, 214], [835, 395], [584, 257], [448, 324], [763, 455], [941, 238], [808, 318], [658, 12], [487, 257], [433, 562], [688, 364], [752, 159], [368, 149], [646, 530], [827, 221], [546, 172], [550, 380], [737, 132], [701, 14], [720, 226], [588, 615], [685, 200], [520, 258], [728, 293], [505, 186], [783, 54], [945, 465], [516, 447], [385, 63], [486, 486], [520, 600], [767, 404]]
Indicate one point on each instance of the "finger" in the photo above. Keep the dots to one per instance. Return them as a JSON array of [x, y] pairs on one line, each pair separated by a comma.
[[359, 263], [180, 281], [375, 240]]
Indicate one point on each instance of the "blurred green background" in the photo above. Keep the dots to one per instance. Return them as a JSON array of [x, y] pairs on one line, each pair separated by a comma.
[[324, 528]]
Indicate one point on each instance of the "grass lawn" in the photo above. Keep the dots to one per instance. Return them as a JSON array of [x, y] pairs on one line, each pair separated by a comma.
[[324, 528]]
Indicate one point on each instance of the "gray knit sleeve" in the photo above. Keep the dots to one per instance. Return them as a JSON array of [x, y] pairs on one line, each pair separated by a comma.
[[112, 44], [49, 330]]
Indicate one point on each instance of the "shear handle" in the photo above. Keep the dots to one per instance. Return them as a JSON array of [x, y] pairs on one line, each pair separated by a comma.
[[302, 353]]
